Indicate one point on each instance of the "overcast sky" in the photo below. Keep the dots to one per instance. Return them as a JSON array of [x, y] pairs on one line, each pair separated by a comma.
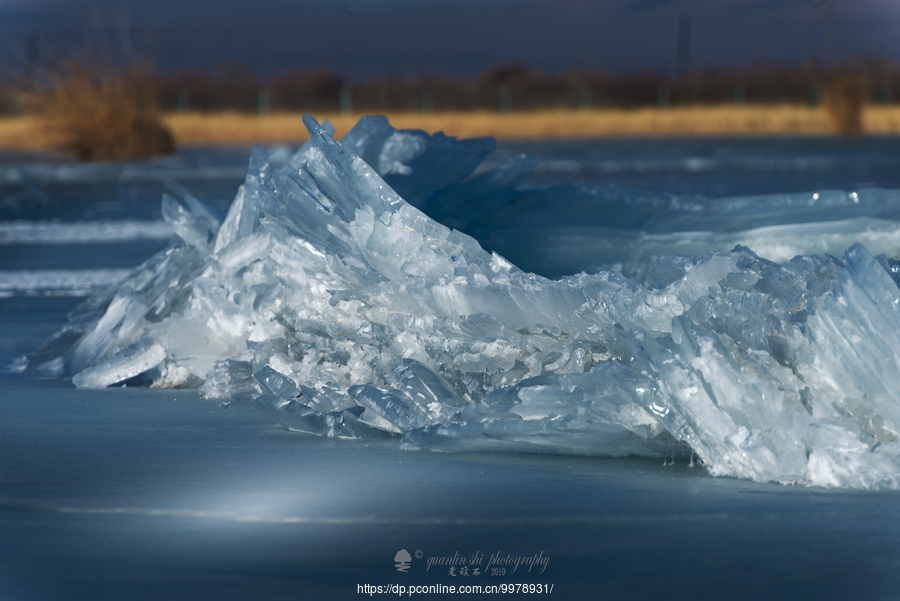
[[364, 38]]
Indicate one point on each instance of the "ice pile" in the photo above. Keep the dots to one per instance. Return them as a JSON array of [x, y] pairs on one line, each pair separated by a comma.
[[345, 311], [573, 227]]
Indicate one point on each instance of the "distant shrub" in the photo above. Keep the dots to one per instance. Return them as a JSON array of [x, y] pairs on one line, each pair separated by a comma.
[[103, 115], [844, 100]]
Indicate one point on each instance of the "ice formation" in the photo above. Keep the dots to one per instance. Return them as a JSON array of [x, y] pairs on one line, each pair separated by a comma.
[[345, 311], [614, 228]]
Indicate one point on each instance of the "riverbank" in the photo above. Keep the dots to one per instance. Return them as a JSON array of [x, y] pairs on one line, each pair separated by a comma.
[[25, 133]]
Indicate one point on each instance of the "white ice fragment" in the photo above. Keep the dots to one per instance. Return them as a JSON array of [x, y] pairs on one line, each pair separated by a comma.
[[193, 222], [132, 361]]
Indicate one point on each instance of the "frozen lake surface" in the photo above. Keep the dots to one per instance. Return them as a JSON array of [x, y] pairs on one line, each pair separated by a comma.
[[146, 493]]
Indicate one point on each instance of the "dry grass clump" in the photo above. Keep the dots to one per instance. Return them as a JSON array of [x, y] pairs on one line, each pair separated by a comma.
[[844, 100], [102, 115]]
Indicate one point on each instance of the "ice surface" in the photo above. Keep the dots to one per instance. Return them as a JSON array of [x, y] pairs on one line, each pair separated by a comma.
[[345, 311], [88, 232], [57, 282]]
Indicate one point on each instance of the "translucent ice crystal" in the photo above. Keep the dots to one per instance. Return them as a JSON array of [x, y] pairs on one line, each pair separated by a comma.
[[345, 311]]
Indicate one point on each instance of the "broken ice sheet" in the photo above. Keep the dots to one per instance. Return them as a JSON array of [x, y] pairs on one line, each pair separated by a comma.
[[358, 315]]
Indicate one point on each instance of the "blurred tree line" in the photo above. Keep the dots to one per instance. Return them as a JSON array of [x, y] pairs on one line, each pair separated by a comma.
[[505, 88]]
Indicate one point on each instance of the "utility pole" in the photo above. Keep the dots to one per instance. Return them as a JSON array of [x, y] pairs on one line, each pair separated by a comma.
[[828, 31], [683, 51], [34, 55]]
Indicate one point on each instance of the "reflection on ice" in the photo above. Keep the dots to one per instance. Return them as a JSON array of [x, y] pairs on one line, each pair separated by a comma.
[[345, 311]]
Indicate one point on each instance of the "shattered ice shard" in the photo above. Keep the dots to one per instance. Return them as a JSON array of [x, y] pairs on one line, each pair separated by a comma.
[[345, 311]]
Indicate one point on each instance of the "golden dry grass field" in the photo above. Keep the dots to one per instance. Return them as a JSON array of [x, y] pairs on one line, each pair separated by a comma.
[[27, 133]]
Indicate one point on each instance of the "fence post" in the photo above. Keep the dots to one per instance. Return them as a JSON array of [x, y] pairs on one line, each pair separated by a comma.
[[263, 102], [812, 95], [583, 97], [662, 96], [181, 102], [425, 105], [345, 100], [19, 105], [505, 99]]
